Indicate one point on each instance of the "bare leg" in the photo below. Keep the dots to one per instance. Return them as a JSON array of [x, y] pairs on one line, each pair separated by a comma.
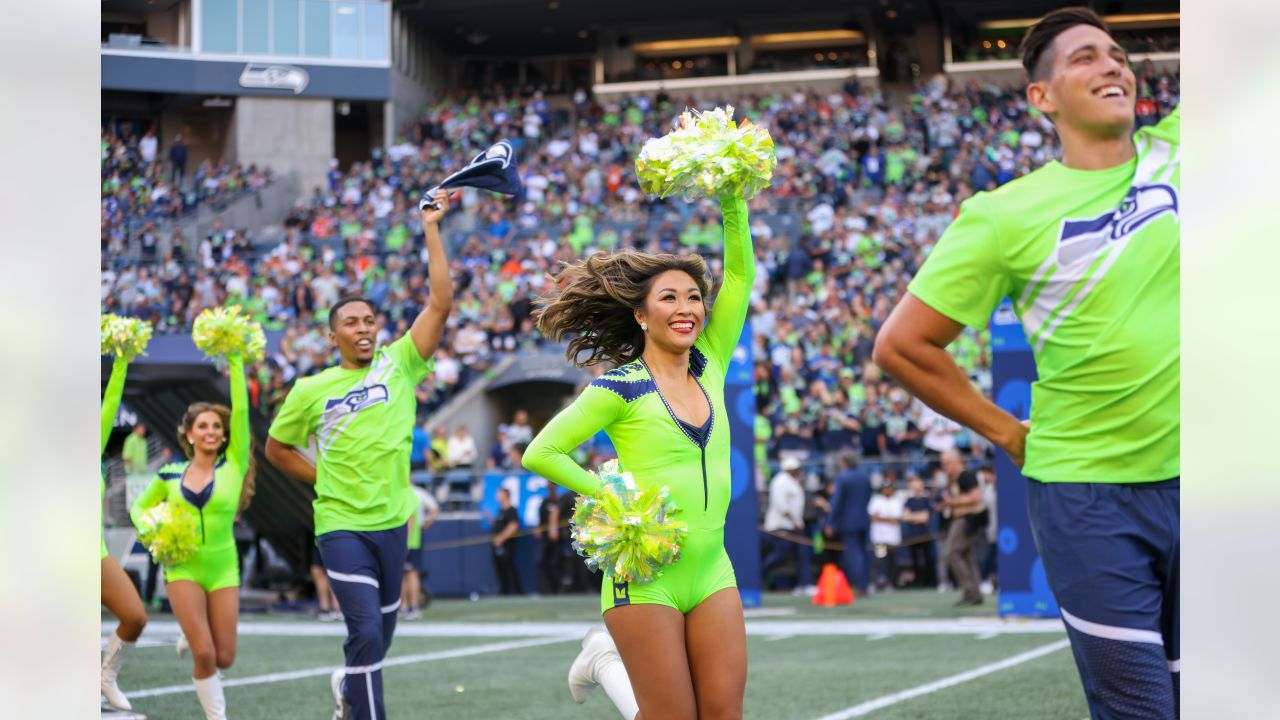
[[191, 607], [716, 638], [224, 614], [651, 641], [121, 598]]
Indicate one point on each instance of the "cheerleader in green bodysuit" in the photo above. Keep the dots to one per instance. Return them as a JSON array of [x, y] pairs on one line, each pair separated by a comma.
[[216, 482], [681, 638]]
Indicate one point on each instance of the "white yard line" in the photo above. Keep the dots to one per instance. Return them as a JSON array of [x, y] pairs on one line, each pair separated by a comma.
[[767, 628], [389, 662], [883, 702]]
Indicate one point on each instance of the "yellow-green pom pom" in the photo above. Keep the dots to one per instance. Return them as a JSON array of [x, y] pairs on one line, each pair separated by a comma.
[[124, 337], [224, 331], [708, 156], [630, 533], [169, 533]]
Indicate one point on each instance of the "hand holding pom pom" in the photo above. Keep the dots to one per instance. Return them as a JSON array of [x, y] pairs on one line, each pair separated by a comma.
[[124, 337], [708, 156], [168, 531], [629, 533], [221, 332]]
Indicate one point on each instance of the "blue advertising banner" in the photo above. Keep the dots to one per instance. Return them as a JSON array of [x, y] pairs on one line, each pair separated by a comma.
[[527, 493], [741, 527], [1024, 587]]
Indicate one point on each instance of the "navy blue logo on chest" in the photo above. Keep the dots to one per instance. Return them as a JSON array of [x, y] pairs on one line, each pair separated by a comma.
[[359, 399], [1081, 239]]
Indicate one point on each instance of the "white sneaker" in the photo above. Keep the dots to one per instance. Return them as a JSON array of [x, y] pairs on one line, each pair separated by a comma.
[[414, 614], [985, 587], [181, 646], [342, 709], [582, 675]]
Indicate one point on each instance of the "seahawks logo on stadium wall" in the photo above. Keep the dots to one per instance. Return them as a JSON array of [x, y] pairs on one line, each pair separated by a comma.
[[1081, 239], [359, 399]]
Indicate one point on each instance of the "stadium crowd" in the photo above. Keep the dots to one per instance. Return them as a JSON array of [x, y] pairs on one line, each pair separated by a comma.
[[861, 193], [140, 189]]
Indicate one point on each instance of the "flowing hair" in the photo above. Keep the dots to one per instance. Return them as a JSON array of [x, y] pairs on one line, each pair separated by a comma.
[[194, 411], [595, 301]]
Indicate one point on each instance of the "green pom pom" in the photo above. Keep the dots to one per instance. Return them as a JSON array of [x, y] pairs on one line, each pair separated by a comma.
[[169, 533], [224, 331], [708, 156], [630, 533], [125, 338]]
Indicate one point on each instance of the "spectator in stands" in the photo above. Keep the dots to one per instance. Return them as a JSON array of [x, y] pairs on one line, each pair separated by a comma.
[[849, 522], [178, 160], [420, 450], [147, 147], [505, 527], [885, 512], [519, 431], [462, 453]]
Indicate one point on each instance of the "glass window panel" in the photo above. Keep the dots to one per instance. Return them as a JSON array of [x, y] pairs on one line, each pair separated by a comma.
[[284, 28], [316, 19], [218, 26], [374, 45], [253, 38], [346, 30]]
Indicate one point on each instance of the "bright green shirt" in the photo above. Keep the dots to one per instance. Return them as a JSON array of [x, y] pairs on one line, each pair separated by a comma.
[[1090, 261], [135, 453], [626, 404], [363, 424]]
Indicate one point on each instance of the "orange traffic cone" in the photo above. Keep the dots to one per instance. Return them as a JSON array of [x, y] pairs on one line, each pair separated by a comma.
[[833, 588]]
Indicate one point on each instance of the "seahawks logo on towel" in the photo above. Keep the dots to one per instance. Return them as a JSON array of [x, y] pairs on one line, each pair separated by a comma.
[[359, 399], [1083, 239]]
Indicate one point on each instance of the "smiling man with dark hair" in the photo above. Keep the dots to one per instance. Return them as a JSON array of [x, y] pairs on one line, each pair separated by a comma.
[[362, 414], [1087, 251]]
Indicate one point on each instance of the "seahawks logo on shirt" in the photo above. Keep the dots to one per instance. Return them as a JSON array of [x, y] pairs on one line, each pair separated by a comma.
[[1081, 239], [359, 399]]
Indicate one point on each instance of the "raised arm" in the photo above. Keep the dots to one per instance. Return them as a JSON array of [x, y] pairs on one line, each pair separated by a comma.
[[429, 325], [548, 454], [238, 445], [734, 298], [111, 399]]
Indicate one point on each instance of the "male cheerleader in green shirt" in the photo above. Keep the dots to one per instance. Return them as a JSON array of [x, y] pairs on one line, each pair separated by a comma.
[[362, 414], [1087, 250]]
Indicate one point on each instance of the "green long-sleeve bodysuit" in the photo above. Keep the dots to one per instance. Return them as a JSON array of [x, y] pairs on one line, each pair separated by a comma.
[[215, 565], [110, 404], [657, 449]]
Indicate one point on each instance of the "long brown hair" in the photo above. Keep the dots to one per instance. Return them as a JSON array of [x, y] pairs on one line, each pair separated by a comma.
[[194, 410], [596, 300]]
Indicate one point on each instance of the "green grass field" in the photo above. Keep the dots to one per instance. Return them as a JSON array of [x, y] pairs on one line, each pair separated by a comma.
[[505, 658]]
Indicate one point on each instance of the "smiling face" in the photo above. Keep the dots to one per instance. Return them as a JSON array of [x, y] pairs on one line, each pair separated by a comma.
[[1083, 81], [673, 311], [205, 432], [354, 330]]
